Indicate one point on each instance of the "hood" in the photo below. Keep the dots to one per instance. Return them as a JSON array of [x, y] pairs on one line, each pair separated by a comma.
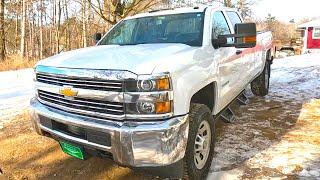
[[139, 59]]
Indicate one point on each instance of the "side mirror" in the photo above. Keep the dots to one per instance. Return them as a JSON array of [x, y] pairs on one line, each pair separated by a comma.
[[245, 37], [219, 42], [97, 37]]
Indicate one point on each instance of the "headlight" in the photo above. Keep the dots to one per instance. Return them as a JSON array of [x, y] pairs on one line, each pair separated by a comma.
[[145, 107], [148, 84], [149, 110], [149, 95], [150, 107], [149, 102]]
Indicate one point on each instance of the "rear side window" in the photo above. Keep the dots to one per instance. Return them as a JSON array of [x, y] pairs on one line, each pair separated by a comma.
[[316, 33], [234, 18], [220, 25]]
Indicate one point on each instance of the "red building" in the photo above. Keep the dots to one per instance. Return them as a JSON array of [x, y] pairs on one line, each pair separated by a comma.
[[311, 36]]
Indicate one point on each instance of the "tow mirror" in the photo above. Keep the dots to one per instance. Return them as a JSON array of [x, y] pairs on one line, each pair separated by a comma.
[[245, 37], [97, 37], [220, 42]]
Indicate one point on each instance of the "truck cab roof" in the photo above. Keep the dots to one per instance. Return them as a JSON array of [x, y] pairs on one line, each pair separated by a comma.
[[168, 11]]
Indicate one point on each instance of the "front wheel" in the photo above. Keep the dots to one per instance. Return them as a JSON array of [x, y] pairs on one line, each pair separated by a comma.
[[260, 85], [201, 142]]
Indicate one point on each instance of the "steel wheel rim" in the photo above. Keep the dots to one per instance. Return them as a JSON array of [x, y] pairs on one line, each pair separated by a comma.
[[202, 144]]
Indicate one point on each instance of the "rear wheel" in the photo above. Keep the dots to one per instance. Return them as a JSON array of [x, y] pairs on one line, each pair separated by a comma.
[[260, 85], [201, 142]]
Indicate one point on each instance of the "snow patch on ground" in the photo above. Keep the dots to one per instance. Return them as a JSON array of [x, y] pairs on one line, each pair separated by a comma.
[[298, 149], [276, 136], [16, 89], [298, 76]]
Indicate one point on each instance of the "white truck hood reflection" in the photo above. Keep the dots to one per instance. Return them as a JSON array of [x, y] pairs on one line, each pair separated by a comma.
[[140, 59]]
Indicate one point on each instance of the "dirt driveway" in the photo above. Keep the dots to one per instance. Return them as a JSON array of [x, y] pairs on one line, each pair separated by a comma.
[[274, 137]]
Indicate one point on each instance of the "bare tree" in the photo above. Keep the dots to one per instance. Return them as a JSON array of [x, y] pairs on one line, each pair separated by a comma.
[[58, 25], [35, 29], [67, 28], [53, 29], [23, 30], [228, 3], [84, 22], [16, 37], [2, 33], [244, 7], [112, 11], [41, 8]]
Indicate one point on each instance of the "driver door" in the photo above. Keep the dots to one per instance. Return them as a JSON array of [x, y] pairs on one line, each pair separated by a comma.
[[227, 58]]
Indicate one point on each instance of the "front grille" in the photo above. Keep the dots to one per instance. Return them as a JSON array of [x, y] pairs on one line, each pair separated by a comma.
[[83, 83], [88, 107]]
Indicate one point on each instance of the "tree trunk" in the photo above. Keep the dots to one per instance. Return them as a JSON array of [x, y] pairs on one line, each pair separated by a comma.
[[84, 25], [30, 50], [52, 30], [57, 36], [67, 31], [41, 29], [16, 43], [2, 35], [23, 30]]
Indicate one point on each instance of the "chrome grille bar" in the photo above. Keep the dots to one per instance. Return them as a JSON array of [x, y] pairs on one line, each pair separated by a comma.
[[57, 77], [81, 100], [95, 84], [102, 109], [79, 105], [104, 96]]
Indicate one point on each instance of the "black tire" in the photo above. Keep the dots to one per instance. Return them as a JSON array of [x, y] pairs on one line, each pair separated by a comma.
[[260, 85], [198, 114]]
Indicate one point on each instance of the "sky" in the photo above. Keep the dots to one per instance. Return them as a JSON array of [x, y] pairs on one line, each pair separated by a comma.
[[285, 10]]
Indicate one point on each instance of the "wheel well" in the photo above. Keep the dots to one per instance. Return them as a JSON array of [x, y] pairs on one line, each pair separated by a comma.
[[205, 96]]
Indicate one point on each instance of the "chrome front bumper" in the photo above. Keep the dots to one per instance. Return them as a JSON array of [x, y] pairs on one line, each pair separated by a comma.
[[136, 144]]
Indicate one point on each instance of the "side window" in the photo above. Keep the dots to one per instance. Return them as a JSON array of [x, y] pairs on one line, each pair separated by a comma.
[[220, 25], [234, 18], [316, 33]]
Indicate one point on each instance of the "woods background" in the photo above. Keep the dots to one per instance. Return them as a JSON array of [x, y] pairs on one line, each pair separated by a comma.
[[34, 29]]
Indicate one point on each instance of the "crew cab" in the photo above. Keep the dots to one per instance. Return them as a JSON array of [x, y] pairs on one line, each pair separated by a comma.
[[146, 96]]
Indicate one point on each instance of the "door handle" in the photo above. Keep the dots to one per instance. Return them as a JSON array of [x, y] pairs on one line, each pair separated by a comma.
[[238, 52]]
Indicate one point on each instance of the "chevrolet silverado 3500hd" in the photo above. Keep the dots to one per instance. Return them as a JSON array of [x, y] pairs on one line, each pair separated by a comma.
[[146, 95]]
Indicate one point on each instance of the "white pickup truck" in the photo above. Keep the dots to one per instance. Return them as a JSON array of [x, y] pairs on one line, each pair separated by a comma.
[[147, 94]]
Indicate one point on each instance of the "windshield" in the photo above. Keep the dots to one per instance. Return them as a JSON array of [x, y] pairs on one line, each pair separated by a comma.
[[177, 28]]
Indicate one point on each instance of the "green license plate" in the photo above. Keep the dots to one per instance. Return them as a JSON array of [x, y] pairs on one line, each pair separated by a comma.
[[72, 150]]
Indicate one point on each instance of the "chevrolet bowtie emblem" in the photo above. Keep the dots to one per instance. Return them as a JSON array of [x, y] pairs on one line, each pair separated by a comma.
[[68, 92]]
